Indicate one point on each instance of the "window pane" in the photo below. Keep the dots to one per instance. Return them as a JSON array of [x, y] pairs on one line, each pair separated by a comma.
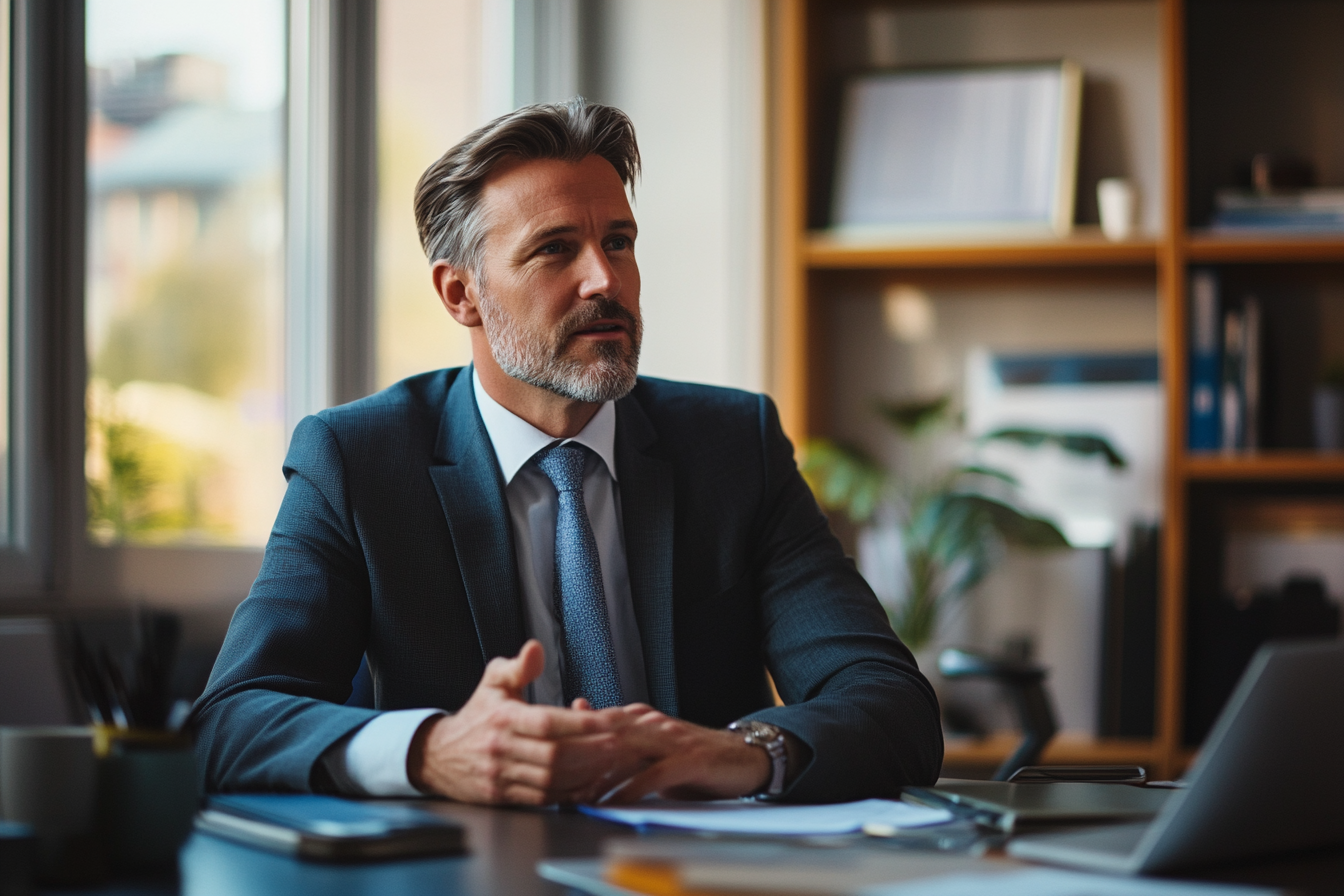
[[184, 298], [429, 87], [5, 512]]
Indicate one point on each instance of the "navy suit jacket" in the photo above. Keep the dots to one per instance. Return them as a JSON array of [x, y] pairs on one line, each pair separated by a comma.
[[394, 541]]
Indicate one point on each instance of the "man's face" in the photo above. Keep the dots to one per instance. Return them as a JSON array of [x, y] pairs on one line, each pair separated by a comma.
[[558, 289]]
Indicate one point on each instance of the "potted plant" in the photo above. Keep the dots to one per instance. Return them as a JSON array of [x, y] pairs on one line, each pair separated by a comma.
[[952, 519]]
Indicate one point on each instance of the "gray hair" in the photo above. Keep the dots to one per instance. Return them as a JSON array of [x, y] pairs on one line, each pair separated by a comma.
[[448, 210]]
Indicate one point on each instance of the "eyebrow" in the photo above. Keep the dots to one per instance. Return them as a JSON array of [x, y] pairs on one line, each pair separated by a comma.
[[618, 224]]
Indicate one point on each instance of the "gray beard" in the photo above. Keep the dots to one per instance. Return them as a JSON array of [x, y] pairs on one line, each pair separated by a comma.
[[537, 360]]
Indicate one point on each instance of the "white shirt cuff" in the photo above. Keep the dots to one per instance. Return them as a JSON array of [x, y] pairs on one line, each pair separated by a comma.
[[373, 762]]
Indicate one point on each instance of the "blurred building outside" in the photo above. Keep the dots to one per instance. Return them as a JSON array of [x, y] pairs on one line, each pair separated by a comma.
[[184, 307]]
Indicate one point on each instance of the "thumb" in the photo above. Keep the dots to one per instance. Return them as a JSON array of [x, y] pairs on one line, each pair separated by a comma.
[[515, 673]]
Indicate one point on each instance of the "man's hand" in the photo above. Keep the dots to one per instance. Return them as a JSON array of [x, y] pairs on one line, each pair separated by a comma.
[[498, 749], [686, 761]]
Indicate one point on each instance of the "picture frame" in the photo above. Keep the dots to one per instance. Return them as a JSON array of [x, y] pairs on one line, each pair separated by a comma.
[[958, 150]]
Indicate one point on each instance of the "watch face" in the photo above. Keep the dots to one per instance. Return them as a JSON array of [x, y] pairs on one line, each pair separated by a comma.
[[764, 730], [759, 732]]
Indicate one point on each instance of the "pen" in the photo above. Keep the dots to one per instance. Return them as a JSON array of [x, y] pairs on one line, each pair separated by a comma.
[[998, 821]]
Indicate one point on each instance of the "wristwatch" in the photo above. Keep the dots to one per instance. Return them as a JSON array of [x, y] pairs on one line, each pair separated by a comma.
[[771, 739]]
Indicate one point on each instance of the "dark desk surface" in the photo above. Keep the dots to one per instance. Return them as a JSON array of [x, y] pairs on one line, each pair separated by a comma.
[[505, 846]]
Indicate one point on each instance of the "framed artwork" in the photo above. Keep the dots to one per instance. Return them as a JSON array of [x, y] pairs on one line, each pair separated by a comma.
[[958, 150]]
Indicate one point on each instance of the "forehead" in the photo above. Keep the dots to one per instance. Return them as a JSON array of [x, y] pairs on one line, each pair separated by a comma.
[[525, 196]]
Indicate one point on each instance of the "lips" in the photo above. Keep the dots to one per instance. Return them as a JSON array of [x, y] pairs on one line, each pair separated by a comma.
[[602, 328]]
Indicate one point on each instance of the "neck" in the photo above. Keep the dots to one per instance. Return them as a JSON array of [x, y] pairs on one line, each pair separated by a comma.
[[558, 417]]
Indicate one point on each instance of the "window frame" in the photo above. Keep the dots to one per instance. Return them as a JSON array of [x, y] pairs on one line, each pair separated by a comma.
[[330, 196]]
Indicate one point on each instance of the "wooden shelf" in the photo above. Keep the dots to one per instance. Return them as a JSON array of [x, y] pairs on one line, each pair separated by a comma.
[[1065, 749], [1267, 465], [1086, 248], [817, 44], [1266, 247]]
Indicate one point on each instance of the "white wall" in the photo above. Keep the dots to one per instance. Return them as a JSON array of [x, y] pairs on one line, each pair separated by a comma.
[[691, 75]]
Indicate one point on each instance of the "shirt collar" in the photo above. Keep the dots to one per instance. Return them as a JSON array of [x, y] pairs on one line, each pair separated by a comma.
[[515, 440]]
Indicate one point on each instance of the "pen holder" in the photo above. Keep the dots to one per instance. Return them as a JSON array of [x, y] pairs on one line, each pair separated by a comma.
[[147, 795]]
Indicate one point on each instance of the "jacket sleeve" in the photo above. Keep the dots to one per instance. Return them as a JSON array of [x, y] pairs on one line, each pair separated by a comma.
[[274, 700], [852, 691]]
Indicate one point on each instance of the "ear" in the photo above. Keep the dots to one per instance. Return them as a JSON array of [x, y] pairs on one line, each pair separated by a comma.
[[457, 292]]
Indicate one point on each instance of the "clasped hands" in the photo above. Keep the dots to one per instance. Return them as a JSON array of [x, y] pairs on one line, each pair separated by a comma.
[[499, 749]]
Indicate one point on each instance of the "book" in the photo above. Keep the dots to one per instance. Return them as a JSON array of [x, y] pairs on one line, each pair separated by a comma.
[[1129, 638], [328, 828], [1303, 211], [1250, 373], [1240, 395], [677, 865], [1231, 409], [1204, 431]]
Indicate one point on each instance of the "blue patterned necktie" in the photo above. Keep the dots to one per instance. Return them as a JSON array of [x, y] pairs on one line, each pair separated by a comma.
[[580, 600]]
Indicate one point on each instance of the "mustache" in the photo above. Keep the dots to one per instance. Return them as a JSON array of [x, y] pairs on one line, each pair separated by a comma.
[[590, 312]]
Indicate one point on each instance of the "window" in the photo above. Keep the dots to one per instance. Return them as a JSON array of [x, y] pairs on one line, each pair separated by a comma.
[[429, 98], [198, 259], [6, 473], [184, 295]]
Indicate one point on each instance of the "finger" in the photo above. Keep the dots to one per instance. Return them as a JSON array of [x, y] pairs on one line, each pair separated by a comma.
[[654, 779], [512, 674], [531, 662], [520, 794], [553, 722], [574, 766], [581, 704]]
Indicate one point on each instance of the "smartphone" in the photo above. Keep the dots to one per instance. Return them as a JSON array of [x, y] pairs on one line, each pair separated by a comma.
[[1098, 774]]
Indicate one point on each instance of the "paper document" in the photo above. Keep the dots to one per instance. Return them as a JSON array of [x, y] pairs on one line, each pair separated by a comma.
[[1050, 882], [748, 817]]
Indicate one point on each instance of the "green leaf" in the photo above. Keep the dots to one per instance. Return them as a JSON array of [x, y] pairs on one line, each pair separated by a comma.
[[843, 478], [1015, 525], [991, 472], [1079, 443], [913, 417]]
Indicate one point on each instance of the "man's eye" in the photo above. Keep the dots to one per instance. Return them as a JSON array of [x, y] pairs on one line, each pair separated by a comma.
[[619, 243], [552, 248]]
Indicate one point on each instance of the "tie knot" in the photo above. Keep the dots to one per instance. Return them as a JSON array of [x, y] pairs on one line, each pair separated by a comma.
[[563, 465]]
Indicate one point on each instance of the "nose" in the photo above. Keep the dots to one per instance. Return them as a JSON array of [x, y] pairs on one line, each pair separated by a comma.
[[598, 278]]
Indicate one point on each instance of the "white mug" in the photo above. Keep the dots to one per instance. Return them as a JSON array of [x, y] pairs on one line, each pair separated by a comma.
[[1117, 201]]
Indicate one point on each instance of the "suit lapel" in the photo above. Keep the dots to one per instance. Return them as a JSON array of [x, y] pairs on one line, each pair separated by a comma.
[[471, 492], [646, 507]]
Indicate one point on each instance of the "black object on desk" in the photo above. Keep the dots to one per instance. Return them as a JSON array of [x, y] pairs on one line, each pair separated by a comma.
[[1008, 807], [18, 859], [1095, 774], [329, 829], [1025, 683]]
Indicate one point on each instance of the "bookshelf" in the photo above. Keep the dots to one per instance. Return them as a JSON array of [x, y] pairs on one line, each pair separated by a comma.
[[1177, 64]]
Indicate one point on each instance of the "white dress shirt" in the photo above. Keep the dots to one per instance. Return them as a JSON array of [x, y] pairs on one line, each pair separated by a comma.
[[372, 760]]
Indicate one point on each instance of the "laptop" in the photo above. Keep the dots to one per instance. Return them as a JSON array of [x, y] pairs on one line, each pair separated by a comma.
[[1269, 779], [1012, 807]]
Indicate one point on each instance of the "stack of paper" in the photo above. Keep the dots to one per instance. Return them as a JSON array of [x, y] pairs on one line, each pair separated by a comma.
[[749, 817]]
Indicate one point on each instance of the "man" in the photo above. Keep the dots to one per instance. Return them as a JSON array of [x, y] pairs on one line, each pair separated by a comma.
[[567, 580]]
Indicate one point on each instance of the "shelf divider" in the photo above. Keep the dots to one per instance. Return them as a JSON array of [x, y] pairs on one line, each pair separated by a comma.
[[1265, 247], [1265, 465], [1084, 249]]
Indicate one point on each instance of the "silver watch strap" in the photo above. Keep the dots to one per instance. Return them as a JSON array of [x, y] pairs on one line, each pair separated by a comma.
[[771, 739]]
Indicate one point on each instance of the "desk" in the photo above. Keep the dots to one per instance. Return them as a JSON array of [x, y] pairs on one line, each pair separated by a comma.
[[506, 845]]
